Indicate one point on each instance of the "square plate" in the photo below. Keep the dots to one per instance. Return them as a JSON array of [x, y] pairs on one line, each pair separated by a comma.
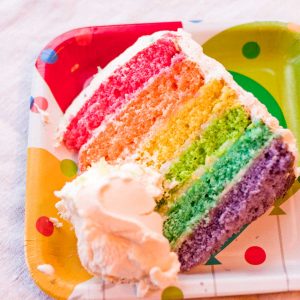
[[264, 58]]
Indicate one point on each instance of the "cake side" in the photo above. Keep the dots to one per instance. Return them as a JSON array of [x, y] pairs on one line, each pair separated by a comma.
[[155, 103], [212, 72], [268, 178], [113, 86], [203, 138]]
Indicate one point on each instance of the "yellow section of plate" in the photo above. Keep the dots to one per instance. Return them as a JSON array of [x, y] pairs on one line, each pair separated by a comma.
[[44, 176]]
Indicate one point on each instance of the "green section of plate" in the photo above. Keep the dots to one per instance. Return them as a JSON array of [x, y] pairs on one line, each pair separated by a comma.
[[264, 58]]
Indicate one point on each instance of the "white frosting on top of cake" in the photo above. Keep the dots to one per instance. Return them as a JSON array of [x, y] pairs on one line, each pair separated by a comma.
[[119, 235], [102, 75]]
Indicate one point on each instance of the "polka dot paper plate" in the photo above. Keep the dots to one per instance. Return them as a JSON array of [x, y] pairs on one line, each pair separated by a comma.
[[264, 58]]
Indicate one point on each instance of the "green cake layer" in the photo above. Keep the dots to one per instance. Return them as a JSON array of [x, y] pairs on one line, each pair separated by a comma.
[[229, 127], [193, 205], [215, 140]]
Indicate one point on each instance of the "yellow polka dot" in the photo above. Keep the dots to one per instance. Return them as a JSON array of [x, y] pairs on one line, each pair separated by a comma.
[[172, 293], [68, 167]]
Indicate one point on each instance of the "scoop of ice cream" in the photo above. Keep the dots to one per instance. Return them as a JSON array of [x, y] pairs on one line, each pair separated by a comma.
[[119, 235]]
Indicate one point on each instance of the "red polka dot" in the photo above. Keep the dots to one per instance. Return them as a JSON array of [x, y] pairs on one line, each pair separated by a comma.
[[44, 226], [255, 255], [39, 102]]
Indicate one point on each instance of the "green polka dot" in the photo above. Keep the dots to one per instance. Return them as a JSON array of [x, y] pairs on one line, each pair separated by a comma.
[[68, 167], [299, 179], [172, 293], [251, 50]]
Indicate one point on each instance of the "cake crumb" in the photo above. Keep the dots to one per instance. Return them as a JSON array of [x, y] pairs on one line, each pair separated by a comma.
[[46, 269], [55, 222]]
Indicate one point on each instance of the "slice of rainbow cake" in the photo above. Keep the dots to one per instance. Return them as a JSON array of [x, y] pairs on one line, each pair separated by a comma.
[[165, 104]]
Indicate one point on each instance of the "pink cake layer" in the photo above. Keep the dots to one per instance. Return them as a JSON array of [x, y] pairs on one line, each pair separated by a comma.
[[118, 89]]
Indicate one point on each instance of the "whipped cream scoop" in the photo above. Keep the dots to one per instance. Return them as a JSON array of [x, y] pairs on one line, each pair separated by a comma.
[[120, 239]]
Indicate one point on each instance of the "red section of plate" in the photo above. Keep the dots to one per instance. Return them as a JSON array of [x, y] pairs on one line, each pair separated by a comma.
[[91, 47]]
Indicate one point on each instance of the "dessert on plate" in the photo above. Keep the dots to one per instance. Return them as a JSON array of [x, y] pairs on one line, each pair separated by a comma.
[[167, 110]]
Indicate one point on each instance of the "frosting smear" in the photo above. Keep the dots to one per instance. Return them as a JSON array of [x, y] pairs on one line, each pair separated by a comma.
[[119, 235]]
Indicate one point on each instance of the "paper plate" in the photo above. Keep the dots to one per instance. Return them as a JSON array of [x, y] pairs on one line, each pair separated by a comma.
[[264, 58]]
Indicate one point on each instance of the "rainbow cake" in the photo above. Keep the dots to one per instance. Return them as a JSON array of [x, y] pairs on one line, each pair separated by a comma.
[[166, 105]]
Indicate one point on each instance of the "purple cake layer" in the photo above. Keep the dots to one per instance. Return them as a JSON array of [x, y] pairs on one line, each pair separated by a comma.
[[270, 175]]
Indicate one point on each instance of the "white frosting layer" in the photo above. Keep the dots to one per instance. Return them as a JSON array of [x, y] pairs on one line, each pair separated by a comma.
[[103, 74], [119, 235]]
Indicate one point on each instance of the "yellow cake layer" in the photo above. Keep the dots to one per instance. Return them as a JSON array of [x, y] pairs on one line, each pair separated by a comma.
[[185, 124]]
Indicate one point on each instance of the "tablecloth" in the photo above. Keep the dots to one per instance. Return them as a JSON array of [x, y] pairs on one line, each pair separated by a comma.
[[25, 27]]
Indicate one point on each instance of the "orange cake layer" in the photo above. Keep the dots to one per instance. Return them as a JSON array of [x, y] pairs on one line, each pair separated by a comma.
[[155, 102], [187, 123]]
